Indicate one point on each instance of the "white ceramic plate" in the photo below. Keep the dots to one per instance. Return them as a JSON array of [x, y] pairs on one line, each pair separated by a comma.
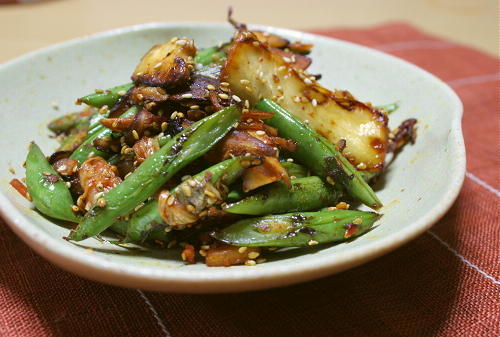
[[419, 187]]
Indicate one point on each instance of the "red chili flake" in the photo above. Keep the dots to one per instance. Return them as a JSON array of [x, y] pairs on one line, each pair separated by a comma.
[[350, 230], [20, 187]]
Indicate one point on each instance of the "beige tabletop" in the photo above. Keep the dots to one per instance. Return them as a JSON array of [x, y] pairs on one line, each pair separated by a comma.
[[29, 26]]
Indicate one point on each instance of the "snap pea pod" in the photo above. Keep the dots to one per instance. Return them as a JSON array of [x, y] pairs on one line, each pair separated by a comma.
[[147, 223], [64, 123], [318, 154], [186, 146], [305, 194], [208, 55], [50, 194], [297, 229], [107, 97], [83, 151]]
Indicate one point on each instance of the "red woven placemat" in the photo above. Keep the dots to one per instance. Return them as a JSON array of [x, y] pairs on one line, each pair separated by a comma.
[[445, 283]]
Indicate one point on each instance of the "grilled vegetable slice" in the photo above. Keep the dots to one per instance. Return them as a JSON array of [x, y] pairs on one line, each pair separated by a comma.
[[254, 72], [166, 65]]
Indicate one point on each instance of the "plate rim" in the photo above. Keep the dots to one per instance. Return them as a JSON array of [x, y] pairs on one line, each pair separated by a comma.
[[244, 278]]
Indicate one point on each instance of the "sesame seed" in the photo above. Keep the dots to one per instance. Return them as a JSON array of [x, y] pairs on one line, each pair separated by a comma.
[[135, 134], [210, 87], [187, 96], [296, 99], [181, 42], [290, 160], [244, 82], [307, 81], [190, 208], [293, 177], [330, 180], [247, 104], [224, 84], [248, 89], [210, 194], [192, 183], [180, 114], [342, 205], [75, 208], [205, 247], [68, 184], [241, 250], [361, 166], [261, 260], [186, 190], [223, 96], [287, 59], [250, 263], [91, 154], [332, 208], [164, 126], [99, 91], [194, 107], [306, 121], [121, 93], [312, 242], [357, 221], [202, 252], [103, 110], [281, 68], [225, 89], [101, 202], [236, 98], [260, 132], [170, 200], [253, 255], [314, 102], [158, 65], [256, 43], [174, 39], [173, 115]]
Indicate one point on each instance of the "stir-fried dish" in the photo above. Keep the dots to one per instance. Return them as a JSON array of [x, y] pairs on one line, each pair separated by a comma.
[[228, 152]]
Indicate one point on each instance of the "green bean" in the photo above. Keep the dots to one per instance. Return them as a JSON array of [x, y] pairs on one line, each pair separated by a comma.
[[108, 97], [186, 146], [86, 148], [295, 170], [297, 229], [305, 194], [147, 221], [50, 194], [64, 123], [318, 154], [208, 55]]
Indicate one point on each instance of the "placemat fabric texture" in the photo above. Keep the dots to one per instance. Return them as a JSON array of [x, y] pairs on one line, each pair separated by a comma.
[[444, 283]]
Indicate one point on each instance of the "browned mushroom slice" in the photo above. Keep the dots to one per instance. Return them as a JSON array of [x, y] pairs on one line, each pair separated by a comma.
[[268, 172], [166, 65], [240, 143], [141, 94], [254, 72], [272, 40]]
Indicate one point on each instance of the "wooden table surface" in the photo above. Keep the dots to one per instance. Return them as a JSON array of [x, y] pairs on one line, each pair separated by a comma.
[[29, 26]]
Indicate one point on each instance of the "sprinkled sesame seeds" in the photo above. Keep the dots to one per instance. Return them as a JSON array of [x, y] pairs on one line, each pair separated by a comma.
[[224, 84], [181, 42], [170, 200], [290, 160], [121, 93], [223, 96], [91, 154], [241, 250], [190, 208], [250, 263], [101, 202], [256, 43], [245, 82], [75, 208], [314, 102], [164, 126], [158, 65], [194, 107], [357, 221], [253, 255], [296, 99], [330, 180], [186, 190], [312, 242], [187, 96], [342, 205], [260, 132], [247, 104], [135, 134], [236, 98], [173, 115], [68, 184], [261, 260]]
